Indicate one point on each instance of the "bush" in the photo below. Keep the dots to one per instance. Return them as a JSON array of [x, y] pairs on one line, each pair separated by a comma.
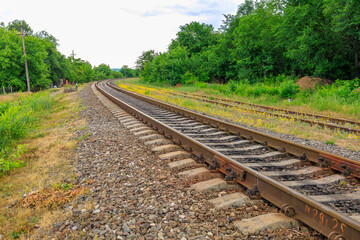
[[189, 79], [288, 89], [17, 119], [231, 87]]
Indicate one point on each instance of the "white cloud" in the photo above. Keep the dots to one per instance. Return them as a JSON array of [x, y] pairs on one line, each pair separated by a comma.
[[110, 31]]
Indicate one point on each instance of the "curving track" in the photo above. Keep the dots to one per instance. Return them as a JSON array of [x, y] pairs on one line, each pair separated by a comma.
[[307, 184]]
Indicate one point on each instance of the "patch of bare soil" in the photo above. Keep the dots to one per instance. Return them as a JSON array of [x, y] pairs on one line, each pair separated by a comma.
[[311, 82]]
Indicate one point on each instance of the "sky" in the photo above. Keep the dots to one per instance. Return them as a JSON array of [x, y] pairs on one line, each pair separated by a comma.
[[114, 32]]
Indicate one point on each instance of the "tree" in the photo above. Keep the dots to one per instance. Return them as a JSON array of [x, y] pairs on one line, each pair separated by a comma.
[[196, 37], [125, 71], [246, 8], [81, 71], [146, 56], [265, 38], [12, 70], [345, 21], [256, 51], [18, 24], [46, 35]]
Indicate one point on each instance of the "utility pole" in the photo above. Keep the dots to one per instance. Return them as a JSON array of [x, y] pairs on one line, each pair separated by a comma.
[[26, 67], [73, 56]]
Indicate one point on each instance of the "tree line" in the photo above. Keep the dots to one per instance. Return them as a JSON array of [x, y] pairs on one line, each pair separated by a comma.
[[263, 39], [45, 63]]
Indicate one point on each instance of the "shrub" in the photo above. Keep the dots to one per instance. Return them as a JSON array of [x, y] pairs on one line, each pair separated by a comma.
[[231, 86], [17, 119], [189, 79], [288, 89]]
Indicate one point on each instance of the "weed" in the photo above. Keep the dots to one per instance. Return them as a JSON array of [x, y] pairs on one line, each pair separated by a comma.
[[17, 234], [264, 94], [12, 160], [83, 137], [62, 186], [330, 142], [17, 119]]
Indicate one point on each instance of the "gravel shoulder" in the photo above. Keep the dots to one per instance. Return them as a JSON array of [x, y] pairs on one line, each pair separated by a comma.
[[134, 195]]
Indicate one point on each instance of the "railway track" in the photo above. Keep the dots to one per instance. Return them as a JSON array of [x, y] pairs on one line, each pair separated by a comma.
[[315, 187], [312, 119]]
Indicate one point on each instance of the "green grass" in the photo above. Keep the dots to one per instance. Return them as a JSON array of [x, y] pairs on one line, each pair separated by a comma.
[[84, 137], [340, 99], [19, 118], [330, 142]]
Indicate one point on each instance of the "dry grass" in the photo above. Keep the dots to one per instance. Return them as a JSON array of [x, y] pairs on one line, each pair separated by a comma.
[[12, 96], [48, 165], [251, 118]]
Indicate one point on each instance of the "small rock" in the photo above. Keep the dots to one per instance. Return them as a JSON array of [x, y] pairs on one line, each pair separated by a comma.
[[249, 209], [172, 224], [126, 228], [76, 213]]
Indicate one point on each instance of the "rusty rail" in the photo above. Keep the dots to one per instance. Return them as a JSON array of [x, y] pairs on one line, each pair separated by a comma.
[[325, 159], [311, 122], [320, 217], [331, 119]]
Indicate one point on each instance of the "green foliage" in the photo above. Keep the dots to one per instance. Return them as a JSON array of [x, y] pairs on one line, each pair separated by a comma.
[[12, 72], [330, 142], [84, 137], [263, 39], [145, 57], [231, 87], [45, 63], [189, 78], [18, 24], [195, 37], [288, 89], [17, 119], [11, 161], [169, 67], [62, 186]]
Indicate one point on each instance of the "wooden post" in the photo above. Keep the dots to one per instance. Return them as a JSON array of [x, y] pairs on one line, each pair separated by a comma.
[[26, 67]]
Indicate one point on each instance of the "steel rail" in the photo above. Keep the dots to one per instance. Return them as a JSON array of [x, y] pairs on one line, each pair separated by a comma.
[[320, 217], [311, 122], [331, 119], [326, 160]]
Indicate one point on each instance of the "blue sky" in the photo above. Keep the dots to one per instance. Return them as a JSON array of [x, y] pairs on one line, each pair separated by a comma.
[[112, 31]]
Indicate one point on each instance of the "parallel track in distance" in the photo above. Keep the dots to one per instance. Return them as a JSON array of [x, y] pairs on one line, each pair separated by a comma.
[[313, 119]]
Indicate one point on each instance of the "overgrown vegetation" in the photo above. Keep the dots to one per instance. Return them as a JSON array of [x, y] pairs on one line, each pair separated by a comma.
[[32, 197], [17, 119], [262, 40], [340, 99], [246, 114]]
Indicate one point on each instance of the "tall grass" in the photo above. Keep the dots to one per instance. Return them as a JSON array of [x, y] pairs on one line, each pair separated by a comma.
[[340, 99], [18, 118]]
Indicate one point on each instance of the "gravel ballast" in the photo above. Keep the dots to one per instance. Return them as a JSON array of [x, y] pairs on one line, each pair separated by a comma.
[[134, 195]]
